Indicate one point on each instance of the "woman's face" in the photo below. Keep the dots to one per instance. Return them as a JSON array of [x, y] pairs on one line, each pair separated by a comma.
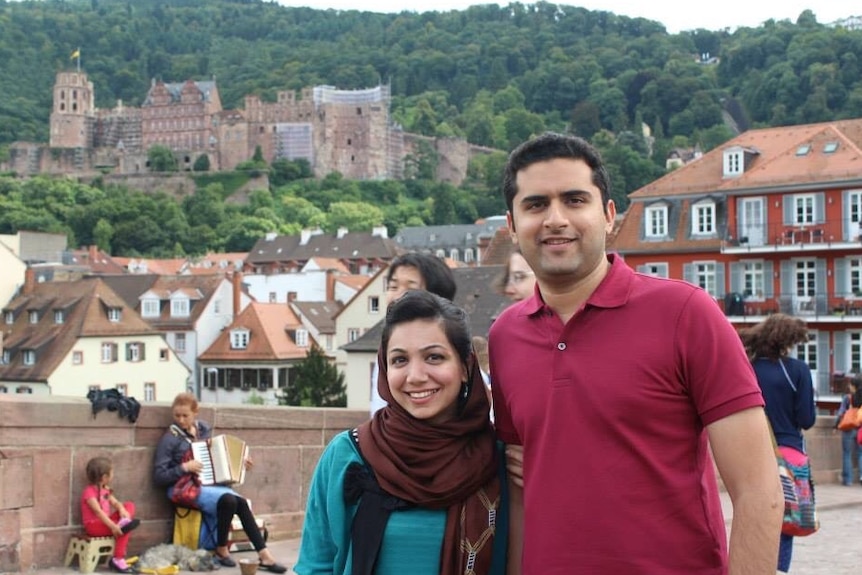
[[403, 278], [425, 372], [521, 280], [184, 417]]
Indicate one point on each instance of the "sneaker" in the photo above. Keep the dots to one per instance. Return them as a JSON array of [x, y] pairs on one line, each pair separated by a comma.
[[130, 525]]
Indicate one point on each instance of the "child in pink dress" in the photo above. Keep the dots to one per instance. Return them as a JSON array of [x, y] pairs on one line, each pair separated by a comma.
[[103, 515]]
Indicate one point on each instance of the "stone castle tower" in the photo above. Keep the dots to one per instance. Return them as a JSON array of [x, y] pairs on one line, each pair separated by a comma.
[[73, 113]]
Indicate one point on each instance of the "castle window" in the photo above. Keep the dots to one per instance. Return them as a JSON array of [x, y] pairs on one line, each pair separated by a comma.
[[74, 107], [62, 107], [62, 94], [349, 141], [74, 94], [358, 111]]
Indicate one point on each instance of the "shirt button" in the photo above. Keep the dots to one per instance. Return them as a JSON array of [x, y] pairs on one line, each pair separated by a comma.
[[561, 346]]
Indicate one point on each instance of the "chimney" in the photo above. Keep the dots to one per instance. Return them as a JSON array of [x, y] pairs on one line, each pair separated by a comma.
[[29, 281], [342, 231], [380, 232], [304, 236], [93, 254], [270, 236], [237, 292], [291, 297], [330, 285]]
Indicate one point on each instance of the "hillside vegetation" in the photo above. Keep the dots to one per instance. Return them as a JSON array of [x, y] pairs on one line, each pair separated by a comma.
[[493, 75]]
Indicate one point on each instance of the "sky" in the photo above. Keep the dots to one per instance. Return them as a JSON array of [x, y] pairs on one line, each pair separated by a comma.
[[675, 15]]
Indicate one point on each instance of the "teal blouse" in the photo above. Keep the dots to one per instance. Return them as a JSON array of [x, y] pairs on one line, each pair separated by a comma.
[[411, 543]]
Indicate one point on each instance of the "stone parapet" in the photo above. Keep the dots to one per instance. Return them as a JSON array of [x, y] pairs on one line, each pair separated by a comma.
[[45, 443]]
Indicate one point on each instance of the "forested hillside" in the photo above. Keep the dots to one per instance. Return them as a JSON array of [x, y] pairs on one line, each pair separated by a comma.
[[493, 75]]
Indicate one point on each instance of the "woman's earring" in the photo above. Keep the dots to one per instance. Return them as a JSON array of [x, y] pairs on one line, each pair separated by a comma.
[[465, 389]]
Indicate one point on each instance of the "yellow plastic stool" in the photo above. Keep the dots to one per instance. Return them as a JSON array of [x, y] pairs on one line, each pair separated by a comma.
[[89, 551]]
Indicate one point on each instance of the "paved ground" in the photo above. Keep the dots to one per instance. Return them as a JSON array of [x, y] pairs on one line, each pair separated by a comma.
[[834, 550]]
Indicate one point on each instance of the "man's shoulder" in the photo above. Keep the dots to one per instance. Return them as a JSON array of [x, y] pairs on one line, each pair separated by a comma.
[[513, 313]]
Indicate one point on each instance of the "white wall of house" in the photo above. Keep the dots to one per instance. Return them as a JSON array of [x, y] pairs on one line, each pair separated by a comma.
[[308, 286], [217, 315], [357, 316], [343, 292], [164, 371], [357, 374], [12, 276]]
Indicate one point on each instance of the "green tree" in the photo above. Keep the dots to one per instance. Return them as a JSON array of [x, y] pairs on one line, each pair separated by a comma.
[[202, 163], [102, 234], [314, 382], [161, 159], [355, 216]]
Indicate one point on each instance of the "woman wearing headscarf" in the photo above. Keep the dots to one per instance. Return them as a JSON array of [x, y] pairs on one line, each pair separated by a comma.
[[416, 489]]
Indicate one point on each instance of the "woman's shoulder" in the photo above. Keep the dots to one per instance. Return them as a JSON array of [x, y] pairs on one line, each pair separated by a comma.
[[341, 449]]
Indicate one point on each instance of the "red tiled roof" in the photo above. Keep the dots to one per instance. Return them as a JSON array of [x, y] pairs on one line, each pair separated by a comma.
[[775, 163], [269, 340], [84, 303]]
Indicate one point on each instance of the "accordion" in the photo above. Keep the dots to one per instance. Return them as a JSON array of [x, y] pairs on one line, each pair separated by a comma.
[[223, 458]]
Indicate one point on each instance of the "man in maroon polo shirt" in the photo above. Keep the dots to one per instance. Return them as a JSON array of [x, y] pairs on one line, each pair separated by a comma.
[[616, 384]]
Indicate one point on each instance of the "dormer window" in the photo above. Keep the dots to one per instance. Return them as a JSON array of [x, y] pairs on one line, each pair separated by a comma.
[[302, 338], [59, 316], [703, 218], [180, 307], [28, 356], [239, 338], [33, 316], [733, 162], [7, 356], [655, 220], [114, 314], [10, 317], [150, 307]]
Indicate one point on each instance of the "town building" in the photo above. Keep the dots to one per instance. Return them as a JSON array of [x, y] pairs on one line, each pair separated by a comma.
[[768, 222], [253, 356], [66, 338]]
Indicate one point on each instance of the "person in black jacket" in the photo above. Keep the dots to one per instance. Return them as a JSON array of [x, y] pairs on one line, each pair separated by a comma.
[[216, 501]]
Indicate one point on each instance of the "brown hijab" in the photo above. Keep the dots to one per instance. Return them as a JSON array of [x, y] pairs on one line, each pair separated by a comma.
[[449, 466]]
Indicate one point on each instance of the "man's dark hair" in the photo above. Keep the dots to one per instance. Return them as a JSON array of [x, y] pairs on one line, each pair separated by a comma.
[[551, 146], [435, 273]]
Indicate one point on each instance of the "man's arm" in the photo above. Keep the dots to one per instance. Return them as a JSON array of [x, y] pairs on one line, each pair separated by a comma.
[[743, 452], [515, 473]]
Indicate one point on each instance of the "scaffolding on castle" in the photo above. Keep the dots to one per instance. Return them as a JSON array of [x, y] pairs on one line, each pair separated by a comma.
[[331, 95]]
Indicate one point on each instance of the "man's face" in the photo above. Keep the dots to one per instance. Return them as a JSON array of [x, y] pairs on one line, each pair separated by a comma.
[[403, 278], [558, 220]]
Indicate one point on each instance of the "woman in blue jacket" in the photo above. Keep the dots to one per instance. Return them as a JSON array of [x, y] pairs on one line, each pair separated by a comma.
[[787, 390]]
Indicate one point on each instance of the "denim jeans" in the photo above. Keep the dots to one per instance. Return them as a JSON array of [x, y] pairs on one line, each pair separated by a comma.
[[849, 449], [785, 552]]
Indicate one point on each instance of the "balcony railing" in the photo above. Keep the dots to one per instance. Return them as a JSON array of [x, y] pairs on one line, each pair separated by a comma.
[[830, 234], [818, 307]]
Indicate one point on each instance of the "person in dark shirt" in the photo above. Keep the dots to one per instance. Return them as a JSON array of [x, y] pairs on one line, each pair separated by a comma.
[[787, 390]]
